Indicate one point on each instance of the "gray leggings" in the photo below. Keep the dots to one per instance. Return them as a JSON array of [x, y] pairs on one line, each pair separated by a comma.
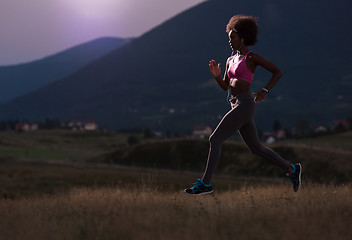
[[240, 118]]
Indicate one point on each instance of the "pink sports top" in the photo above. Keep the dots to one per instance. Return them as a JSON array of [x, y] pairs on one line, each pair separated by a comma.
[[239, 70]]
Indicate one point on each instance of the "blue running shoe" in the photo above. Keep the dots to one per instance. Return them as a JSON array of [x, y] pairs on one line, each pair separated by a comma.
[[295, 176], [199, 188]]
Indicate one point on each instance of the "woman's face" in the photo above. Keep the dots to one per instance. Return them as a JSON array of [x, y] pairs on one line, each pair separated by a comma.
[[234, 40]]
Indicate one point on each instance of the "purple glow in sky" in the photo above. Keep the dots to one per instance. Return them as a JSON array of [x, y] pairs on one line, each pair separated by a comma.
[[32, 29]]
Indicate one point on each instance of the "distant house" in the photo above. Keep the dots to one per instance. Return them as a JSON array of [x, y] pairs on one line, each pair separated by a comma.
[[34, 127], [75, 125], [272, 137], [201, 131], [158, 134], [280, 134], [90, 125], [22, 126], [318, 128], [269, 137], [270, 140]]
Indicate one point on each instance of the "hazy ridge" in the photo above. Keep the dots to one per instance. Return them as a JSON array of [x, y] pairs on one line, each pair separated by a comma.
[[19, 79]]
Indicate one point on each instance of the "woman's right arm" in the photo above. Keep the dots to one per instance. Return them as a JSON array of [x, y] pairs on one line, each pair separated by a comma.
[[215, 70]]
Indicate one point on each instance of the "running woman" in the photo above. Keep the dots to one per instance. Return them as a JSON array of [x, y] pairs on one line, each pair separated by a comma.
[[240, 68]]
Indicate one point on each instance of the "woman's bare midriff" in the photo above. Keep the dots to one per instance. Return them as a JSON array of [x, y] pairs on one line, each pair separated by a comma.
[[238, 86]]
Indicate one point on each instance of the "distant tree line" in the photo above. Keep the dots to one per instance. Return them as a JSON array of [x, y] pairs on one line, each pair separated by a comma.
[[49, 123], [301, 128]]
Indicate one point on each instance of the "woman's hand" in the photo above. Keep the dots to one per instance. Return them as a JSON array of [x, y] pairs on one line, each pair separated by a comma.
[[215, 70], [259, 96]]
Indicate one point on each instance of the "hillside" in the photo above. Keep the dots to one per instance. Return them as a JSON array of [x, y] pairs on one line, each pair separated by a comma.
[[20, 79], [324, 159], [321, 159], [161, 80]]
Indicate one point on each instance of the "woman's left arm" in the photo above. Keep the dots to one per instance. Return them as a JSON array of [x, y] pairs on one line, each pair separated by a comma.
[[261, 61]]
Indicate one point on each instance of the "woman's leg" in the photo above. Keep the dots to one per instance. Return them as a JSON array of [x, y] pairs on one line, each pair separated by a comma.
[[249, 135], [227, 127]]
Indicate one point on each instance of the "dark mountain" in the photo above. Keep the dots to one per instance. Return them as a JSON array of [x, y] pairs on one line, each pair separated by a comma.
[[19, 79], [162, 80]]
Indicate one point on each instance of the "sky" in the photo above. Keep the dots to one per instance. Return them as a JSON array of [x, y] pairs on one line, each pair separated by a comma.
[[33, 29]]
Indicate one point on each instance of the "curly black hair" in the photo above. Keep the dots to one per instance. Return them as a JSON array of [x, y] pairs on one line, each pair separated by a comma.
[[245, 26]]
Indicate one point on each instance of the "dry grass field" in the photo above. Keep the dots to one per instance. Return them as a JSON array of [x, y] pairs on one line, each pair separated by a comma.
[[144, 212], [48, 190]]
